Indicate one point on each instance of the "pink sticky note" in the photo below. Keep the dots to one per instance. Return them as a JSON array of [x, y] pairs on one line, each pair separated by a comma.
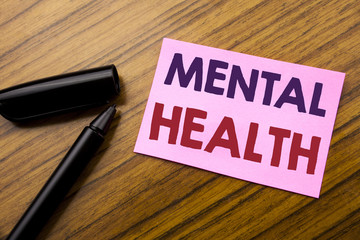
[[256, 119]]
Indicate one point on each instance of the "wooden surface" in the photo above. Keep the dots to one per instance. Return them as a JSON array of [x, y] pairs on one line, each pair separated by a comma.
[[123, 195]]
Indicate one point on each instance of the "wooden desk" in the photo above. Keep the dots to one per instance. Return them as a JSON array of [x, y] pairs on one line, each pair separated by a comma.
[[123, 195]]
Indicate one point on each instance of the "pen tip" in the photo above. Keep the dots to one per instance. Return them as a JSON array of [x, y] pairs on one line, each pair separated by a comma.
[[103, 121]]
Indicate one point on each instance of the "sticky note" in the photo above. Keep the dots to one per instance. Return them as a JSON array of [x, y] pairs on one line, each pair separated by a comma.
[[252, 118]]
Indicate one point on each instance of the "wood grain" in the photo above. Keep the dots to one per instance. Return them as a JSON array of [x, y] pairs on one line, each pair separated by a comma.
[[123, 195]]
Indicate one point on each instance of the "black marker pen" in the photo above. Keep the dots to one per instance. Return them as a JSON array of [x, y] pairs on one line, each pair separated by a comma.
[[63, 177]]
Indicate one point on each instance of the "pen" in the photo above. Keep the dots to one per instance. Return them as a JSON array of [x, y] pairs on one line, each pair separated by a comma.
[[63, 177]]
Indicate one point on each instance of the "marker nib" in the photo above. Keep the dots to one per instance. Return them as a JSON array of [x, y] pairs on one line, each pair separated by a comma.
[[102, 122]]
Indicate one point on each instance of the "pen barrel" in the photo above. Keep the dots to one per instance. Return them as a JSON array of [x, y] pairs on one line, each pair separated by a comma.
[[58, 185]]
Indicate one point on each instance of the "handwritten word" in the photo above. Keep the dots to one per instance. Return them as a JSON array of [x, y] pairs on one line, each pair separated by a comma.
[[227, 126], [236, 78]]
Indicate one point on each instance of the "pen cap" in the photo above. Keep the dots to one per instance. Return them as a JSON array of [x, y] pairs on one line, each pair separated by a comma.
[[59, 93]]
